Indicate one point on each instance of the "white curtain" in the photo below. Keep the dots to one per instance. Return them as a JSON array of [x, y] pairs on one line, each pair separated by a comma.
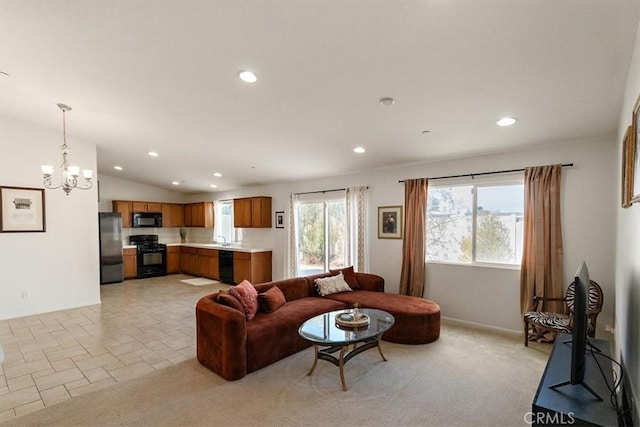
[[292, 238], [356, 228]]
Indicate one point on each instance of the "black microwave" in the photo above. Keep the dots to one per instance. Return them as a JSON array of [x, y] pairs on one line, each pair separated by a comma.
[[146, 219]]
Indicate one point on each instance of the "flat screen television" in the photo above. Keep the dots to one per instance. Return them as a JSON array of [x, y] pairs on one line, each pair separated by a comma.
[[579, 341]]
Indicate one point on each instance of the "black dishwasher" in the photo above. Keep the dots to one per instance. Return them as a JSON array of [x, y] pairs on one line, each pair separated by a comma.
[[225, 261]]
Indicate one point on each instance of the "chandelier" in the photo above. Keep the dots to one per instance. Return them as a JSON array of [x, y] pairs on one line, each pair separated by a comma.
[[70, 174]]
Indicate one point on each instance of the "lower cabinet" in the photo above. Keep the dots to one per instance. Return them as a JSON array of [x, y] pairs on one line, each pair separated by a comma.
[[189, 262], [208, 263], [252, 266], [130, 260], [173, 259]]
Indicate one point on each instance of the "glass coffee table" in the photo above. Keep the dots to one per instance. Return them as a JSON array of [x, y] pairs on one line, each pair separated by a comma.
[[328, 337]]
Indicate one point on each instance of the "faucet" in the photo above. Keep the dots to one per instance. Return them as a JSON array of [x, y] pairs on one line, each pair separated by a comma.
[[224, 241]]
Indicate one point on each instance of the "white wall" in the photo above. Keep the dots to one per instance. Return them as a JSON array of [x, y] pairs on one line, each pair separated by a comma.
[[627, 277], [482, 295], [59, 268]]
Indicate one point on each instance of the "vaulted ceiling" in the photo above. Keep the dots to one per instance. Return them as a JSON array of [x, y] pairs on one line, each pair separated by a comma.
[[163, 76]]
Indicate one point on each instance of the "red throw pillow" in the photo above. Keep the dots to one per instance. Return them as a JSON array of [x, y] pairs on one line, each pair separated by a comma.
[[271, 300], [349, 276], [248, 297]]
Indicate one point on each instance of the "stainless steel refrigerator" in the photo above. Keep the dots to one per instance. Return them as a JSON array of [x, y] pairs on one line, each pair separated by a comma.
[[111, 266]]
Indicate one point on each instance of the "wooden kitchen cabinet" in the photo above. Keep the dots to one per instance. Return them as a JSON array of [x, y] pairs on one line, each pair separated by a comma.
[[199, 215], [252, 266], [208, 263], [173, 259], [189, 260], [147, 207], [124, 208], [172, 215], [252, 212], [130, 260]]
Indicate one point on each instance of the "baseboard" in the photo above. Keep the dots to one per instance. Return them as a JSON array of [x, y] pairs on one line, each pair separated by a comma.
[[482, 326]]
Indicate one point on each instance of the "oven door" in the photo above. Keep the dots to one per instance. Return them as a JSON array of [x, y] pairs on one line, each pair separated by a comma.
[[152, 263]]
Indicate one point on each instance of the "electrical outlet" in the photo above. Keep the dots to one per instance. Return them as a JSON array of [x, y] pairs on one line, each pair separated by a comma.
[[25, 295]]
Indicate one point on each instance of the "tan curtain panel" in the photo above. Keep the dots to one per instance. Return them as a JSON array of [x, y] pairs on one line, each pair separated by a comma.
[[542, 265], [412, 277]]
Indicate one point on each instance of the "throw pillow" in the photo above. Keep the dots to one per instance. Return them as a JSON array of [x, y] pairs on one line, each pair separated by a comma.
[[332, 285], [248, 297], [271, 300], [349, 276], [225, 298]]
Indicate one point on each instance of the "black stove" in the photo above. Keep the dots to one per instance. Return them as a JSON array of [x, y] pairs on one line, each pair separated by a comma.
[[152, 256]]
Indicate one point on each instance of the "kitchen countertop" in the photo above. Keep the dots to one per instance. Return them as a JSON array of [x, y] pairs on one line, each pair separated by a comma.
[[234, 248]]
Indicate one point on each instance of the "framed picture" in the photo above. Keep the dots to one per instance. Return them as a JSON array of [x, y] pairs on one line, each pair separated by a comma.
[[627, 167], [635, 153], [390, 222], [279, 219], [21, 210]]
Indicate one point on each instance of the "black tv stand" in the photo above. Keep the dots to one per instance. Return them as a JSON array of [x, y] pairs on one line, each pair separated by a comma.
[[556, 401]]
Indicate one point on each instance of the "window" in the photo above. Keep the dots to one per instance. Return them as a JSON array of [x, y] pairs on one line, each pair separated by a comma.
[[322, 232], [480, 223], [224, 222]]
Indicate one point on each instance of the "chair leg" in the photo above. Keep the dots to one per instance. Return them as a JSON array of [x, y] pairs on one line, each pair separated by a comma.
[[526, 333]]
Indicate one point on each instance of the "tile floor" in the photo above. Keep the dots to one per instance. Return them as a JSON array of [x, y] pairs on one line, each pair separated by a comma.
[[140, 327]]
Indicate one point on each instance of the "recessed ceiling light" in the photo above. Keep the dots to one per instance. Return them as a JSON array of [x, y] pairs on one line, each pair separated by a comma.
[[118, 168], [175, 183], [359, 150], [217, 174], [426, 131], [387, 101], [247, 76], [153, 154], [506, 121], [213, 186]]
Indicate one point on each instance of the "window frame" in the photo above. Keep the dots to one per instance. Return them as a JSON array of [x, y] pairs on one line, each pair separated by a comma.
[[476, 183]]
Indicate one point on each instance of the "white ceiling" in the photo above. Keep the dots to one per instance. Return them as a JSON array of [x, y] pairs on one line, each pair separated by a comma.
[[162, 76]]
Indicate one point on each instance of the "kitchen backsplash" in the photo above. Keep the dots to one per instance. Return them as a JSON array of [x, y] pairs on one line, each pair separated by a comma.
[[251, 237]]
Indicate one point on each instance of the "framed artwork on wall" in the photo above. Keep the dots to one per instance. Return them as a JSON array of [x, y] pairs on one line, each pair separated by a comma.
[[627, 167], [279, 219], [21, 210], [635, 153], [390, 222]]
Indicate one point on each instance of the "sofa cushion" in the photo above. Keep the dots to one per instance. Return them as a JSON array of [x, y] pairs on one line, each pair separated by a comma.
[[225, 298], [291, 288], [271, 300], [332, 285], [274, 336], [349, 276], [248, 297]]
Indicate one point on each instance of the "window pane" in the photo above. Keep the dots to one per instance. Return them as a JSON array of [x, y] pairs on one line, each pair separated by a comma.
[[499, 224], [224, 220], [337, 230], [449, 220], [311, 232]]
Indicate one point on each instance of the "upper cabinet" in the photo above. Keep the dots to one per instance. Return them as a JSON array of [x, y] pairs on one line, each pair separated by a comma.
[[252, 212], [124, 208], [172, 215], [199, 215], [147, 207]]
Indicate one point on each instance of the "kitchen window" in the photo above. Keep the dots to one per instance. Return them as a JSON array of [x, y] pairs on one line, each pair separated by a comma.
[[479, 224], [224, 223]]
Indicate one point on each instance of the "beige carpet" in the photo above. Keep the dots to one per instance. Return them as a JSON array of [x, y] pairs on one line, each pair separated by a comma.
[[467, 377]]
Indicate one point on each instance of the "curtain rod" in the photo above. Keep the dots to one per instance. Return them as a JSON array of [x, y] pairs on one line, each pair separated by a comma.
[[472, 175], [323, 191]]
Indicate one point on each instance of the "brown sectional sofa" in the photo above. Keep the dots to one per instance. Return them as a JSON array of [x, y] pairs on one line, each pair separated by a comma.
[[232, 346]]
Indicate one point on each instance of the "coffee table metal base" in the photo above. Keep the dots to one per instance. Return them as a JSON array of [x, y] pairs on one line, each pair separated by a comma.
[[345, 355]]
